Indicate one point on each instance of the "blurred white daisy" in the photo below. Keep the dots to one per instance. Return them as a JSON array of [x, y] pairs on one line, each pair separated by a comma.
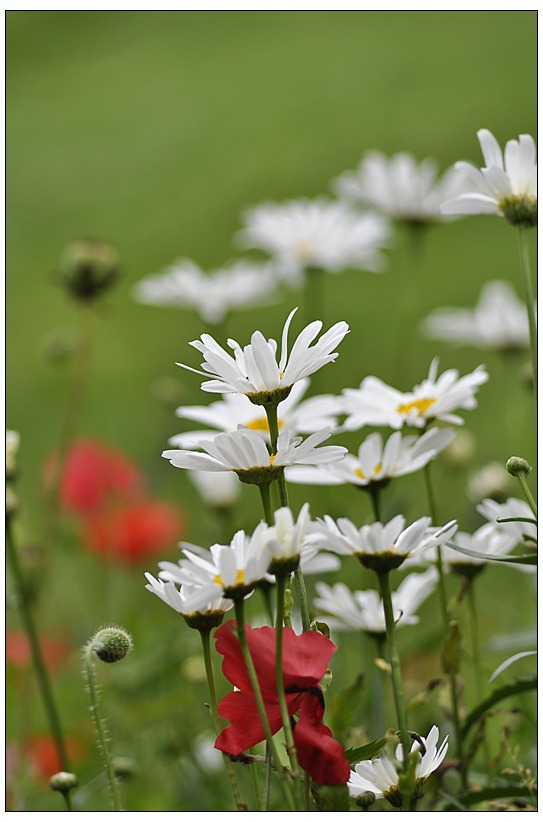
[[400, 187], [522, 531], [363, 610], [376, 403], [379, 775], [400, 456], [492, 480], [300, 416], [12, 446], [219, 490], [498, 321], [321, 233], [377, 544], [284, 539], [486, 540], [242, 284], [508, 189], [254, 370], [245, 452]]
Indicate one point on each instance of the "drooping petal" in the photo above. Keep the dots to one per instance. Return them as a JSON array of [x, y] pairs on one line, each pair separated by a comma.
[[319, 754], [245, 729]]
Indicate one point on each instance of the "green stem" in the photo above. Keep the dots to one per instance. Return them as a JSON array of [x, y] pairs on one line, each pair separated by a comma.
[[475, 639], [374, 493], [205, 636], [291, 750], [524, 485], [266, 504], [102, 738], [40, 670], [399, 698], [238, 604], [442, 589], [302, 597], [457, 729], [68, 800], [528, 295]]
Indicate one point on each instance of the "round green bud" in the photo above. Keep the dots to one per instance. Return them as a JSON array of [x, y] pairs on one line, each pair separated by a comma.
[[63, 782], [111, 644], [270, 397], [365, 800], [517, 465], [123, 766], [88, 268]]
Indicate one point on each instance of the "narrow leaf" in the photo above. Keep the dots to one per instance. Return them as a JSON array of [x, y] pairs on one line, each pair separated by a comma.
[[525, 559], [509, 662], [517, 686], [486, 795], [368, 751], [517, 519]]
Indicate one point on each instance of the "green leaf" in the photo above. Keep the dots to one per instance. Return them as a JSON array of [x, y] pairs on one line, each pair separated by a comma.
[[525, 559], [486, 795], [517, 686], [509, 662], [517, 519], [368, 751], [344, 705]]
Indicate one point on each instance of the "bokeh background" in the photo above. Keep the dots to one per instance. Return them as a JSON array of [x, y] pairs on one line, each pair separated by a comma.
[[155, 130]]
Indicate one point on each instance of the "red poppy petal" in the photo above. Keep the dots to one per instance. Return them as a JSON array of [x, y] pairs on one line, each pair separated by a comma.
[[319, 754], [305, 658], [245, 730]]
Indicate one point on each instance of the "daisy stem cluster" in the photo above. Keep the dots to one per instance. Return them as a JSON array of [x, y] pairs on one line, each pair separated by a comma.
[[281, 585], [240, 625], [205, 636], [528, 293], [40, 669]]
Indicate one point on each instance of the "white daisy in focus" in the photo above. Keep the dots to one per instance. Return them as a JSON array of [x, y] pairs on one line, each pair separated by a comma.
[[507, 185], [321, 233], [400, 456], [363, 610], [378, 546], [379, 775], [245, 452], [229, 571], [300, 416], [254, 370], [497, 322], [219, 490], [376, 403], [400, 187], [522, 531], [243, 284]]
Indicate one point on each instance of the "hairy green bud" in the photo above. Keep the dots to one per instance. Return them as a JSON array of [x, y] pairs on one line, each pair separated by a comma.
[[111, 644]]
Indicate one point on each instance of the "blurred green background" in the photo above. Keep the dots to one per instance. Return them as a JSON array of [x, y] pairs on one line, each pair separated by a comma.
[[154, 130]]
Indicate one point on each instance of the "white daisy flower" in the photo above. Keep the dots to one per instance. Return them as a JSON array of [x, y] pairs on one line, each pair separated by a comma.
[[177, 599], [400, 187], [486, 540], [321, 233], [522, 531], [379, 775], [245, 452], [254, 370], [229, 571], [364, 611], [492, 480], [219, 490], [379, 546], [285, 538], [300, 416], [498, 321], [508, 189], [376, 403], [400, 456], [242, 284]]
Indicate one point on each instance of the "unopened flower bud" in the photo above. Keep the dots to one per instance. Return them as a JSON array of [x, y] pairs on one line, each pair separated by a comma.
[[123, 766], [520, 210], [517, 465], [365, 800], [63, 782], [88, 268], [111, 644]]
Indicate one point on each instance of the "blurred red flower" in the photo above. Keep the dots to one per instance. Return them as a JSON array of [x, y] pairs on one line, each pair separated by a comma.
[[93, 474], [19, 653], [132, 531], [42, 754], [305, 659]]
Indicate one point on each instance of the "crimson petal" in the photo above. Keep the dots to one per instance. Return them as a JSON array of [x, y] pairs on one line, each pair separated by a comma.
[[245, 730], [319, 754]]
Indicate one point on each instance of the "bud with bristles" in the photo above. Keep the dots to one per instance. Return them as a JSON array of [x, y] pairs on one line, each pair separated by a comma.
[[111, 644], [88, 268]]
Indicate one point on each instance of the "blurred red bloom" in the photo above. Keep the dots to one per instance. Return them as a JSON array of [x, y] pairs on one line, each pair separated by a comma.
[[134, 530], [93, 474], [43, 756], [305, 659], [19, 653]]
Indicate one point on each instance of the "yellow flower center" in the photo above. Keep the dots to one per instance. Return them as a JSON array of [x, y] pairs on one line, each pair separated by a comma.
[[261, 424], [359, 473], [304, 250], [272, 457], [239, 579], [420, 405]]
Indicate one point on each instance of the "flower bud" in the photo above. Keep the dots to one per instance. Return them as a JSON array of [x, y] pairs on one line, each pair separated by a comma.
[[88, 267], [365, 800], [63, 782], [123, 766], [517, 465], [111, 644], [520, 210]]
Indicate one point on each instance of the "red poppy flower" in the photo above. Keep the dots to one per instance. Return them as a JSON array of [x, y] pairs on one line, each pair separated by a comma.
[[132, 531], [19, 653], [93, 473], [41, 751], [305, 659]]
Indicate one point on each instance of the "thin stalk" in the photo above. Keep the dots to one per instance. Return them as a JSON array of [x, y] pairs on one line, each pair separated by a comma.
[[408, 293], [378, 714], [205, 636], [71, 415], [374, 493], [68, 800], [474, 625], [256, 788], [102, 738], [40, 669], [528, 295], [457, 727], [443, 601], [266, 504], [280, 580], [527, 493], [238, 604], [399, 698]]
